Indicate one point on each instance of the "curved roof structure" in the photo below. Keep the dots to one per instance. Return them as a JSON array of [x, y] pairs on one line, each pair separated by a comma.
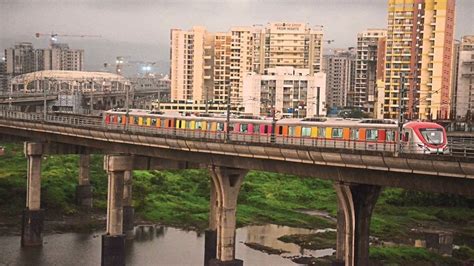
[[61, 75]]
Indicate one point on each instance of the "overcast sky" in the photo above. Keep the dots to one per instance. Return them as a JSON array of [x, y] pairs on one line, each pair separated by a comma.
[[140, 28]]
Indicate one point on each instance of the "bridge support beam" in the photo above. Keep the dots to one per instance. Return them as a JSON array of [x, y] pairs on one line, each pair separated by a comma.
[[128, 210], [357, 202], [33, 215], [84, 188], [227, 183], [113, 242]]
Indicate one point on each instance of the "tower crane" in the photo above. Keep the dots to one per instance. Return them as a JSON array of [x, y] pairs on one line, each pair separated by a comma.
[[53, 37]]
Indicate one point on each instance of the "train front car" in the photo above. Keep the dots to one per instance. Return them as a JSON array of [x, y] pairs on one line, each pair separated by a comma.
[[425, 137]]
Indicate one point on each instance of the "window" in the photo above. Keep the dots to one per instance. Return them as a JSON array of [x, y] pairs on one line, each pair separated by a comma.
[[244, 127], [390, 136], [291, 131], [371, 134], [321, 132], [220, 126], [354, 134], [337, 132], [135, 120], [198, 125], [153, 121], [306, 132], [432, 135], [119, 120], [256, 129]]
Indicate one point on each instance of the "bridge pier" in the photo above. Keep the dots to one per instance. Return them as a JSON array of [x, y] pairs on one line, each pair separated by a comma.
[[84, 188], [128, 210], [33, 215], [113, 242], [227, 183], [357, 202], [210, 235]]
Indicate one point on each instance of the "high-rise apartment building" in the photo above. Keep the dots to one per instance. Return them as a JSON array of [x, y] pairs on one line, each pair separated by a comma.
[[285, 90], [363, 94], [20, 59], [23, 58], [3, 75], [419, 47], [339, 68], [464, 89], [191, 64], [208, 65]]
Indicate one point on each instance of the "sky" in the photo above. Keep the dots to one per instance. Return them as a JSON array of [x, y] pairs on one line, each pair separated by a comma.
[[140, 29]]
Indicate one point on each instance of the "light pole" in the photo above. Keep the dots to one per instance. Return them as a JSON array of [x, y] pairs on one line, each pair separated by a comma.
[[228, 113], [401, 111]]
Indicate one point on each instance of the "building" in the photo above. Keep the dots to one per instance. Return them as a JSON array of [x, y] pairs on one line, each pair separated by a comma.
[[156, 87], [191, 63], [23, 58], [285, 91], [363, 94], [464, 90], [340, 70], [419, 44], [207, 66], [3, 75], [20, 59]]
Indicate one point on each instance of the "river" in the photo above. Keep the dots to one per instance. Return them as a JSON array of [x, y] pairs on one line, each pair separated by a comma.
[[159, 246]]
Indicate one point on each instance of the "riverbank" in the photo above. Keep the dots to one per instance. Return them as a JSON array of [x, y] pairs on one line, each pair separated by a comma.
[[181, 199]]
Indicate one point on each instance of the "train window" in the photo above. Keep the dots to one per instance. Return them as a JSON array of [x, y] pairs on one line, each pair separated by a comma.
[[244, 127], [188, 124], [280, 130], [256, 129], [153, 121], [265, 129], [371, 134], [390, 135], [337, 132], [119, 119], [321, 132], [306, 132], [135, 120], [354, 134], [291, 131], [198, 125], [220, 126]]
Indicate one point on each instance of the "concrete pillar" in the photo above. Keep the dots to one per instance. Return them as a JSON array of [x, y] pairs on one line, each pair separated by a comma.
[[113, 242], [340, 239], [357, 202], [33, 215], [210, 235], [84, 188], [227, 182], [128, 210]]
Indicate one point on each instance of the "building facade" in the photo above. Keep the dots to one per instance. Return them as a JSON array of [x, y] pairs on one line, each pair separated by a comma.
[[464, 90], [3, 75], [20, 59], [285, 91], [419, 47], [209, 66], [340, 70], [363, 94]]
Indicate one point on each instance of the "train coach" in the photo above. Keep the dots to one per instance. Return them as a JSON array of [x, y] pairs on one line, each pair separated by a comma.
[[359, 134]]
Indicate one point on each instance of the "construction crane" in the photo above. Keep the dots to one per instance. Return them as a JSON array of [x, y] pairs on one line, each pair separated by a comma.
[[328, 41], [121, 61], [53, 37]]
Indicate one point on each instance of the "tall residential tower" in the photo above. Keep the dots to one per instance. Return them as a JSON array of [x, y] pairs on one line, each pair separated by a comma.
[[419, 47]]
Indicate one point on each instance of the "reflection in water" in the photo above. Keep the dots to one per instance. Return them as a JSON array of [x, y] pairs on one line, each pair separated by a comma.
[[152, 246], [268, 235]]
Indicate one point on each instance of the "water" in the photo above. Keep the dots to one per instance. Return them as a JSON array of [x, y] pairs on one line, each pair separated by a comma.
[[162, 246]]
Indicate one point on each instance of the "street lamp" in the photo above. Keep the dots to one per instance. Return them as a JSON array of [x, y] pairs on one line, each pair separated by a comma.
[[228, 113]]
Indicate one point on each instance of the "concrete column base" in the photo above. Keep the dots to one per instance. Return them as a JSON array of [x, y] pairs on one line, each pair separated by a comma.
[[84, 195], [235, 262], [210, 245], [32, 228], [113, 250], [128, 221]]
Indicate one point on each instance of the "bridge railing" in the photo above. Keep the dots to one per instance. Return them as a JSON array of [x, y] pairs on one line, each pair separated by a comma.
[[459, 147]]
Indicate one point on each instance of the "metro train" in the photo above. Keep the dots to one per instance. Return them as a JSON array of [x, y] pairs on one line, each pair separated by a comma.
[[359, 134]]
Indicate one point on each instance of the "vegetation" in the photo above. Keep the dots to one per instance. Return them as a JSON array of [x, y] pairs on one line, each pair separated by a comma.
[[181, 198], [312, 241]]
